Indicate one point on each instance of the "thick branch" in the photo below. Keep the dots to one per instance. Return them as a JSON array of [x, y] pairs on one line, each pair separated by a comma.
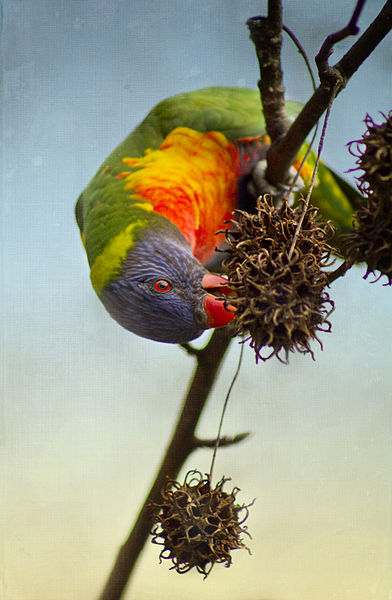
[[182, 444], [266, 34], [281, 155]]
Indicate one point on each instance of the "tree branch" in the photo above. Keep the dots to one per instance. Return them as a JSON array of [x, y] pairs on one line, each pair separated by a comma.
[[327, 48], [189, 349], [223, 441], [266, 34], [282, 153], [183, 442]]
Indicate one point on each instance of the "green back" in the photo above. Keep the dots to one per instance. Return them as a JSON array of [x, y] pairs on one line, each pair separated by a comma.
[[104, 208]]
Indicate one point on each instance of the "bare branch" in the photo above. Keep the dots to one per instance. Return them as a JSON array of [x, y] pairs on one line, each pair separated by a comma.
[[181, 446], [313, 179], [282, 154], [368, 41], [266, 34], [327, 47]]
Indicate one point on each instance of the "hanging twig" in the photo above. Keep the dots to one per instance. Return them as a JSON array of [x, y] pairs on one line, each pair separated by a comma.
[[218, 441], [302, 52], [309, 193]]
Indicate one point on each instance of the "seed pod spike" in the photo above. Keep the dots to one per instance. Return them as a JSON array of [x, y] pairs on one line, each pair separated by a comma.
[[197, 525], [280, 299], [371, 239]]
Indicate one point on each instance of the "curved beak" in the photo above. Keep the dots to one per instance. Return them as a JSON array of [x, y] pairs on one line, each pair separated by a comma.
[[218, 312]]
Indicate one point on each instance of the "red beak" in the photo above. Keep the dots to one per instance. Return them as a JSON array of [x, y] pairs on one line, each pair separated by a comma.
[[219, 313]]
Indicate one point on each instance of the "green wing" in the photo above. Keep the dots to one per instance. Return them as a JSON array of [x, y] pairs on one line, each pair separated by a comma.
[[233, 111], [236, 113]]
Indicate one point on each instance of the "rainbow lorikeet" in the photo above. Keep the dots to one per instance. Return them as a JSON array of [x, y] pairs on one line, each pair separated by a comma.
[[149, 217]]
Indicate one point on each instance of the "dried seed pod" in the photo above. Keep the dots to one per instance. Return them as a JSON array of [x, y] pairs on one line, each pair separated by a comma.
[[374, 156], [198, 526], [280, 298], [371, 238]]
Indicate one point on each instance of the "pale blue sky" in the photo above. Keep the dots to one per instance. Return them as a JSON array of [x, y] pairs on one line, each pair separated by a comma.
[[89, 407]]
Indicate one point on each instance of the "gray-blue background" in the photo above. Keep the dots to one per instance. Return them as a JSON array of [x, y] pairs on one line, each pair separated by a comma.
[[89, 407]]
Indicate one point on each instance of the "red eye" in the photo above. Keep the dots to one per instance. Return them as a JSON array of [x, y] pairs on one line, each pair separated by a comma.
[[162, 285]]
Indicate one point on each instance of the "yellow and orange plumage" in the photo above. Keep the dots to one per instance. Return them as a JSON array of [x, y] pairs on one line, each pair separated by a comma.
[[191, 179], [150, 215]]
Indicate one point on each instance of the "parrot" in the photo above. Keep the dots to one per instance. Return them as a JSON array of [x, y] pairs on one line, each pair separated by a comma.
[[149, 217]]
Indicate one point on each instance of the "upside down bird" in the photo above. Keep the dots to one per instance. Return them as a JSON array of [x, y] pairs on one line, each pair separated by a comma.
[[149, 217]]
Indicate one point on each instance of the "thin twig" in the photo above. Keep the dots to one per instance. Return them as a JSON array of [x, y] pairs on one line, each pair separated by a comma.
[[327, 48], [226, 440], [189, 349], [313, 179], [218, 440], [367, 42], [302, 52], [339, 272]]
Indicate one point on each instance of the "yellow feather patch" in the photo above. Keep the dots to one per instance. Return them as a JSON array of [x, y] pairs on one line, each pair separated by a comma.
[[143, 206], [108, 264], [307, 168], [191, 180]]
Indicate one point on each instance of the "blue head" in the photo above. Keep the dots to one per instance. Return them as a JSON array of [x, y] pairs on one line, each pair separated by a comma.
[[161, 292]]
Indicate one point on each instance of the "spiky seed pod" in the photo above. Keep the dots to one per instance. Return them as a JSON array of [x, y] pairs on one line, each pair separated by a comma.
[[280, 299], [371, 239], [374, 156], [198, 526]]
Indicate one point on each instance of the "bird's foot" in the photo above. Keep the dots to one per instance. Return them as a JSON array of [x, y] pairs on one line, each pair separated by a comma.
[[258, 185]]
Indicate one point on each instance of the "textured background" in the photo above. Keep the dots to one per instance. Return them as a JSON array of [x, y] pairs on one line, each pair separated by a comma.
[[89, 407]]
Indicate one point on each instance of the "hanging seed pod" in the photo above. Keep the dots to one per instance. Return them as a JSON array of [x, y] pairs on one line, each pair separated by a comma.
[[374, 156], [198, 526], [371, 239], [280, 298]]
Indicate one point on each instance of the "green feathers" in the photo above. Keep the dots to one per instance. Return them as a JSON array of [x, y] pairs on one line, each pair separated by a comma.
[[149, 216], [110, 216]]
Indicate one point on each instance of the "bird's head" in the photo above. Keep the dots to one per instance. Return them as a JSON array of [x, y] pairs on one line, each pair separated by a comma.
[[163, 293]]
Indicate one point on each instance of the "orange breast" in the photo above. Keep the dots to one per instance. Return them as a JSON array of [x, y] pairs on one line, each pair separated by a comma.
[[191, 180]]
